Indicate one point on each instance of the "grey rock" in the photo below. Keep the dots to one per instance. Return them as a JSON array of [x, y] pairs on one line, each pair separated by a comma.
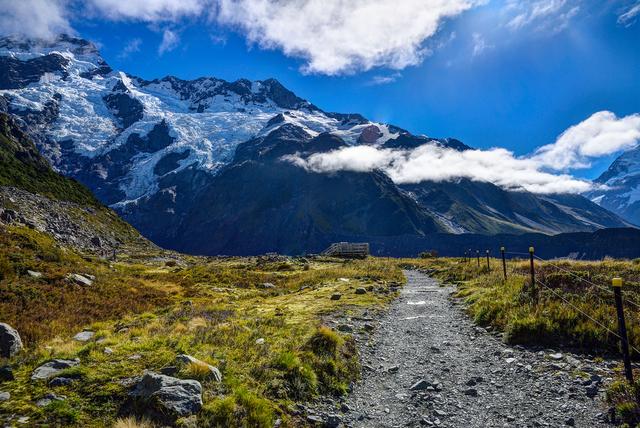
[[570, 422], [53, 367], [6, 373], [80, 279], [84, 336], [48, 399], [267, 285], [336, 296], [332, 421], [60, 381], [10, 342], [165, 394], [107, 351], [361, 290], [471, 391], [556, 356], [4, 396], [420, 385], [314, 419], [345, 328], [215, 373], [34, 274]]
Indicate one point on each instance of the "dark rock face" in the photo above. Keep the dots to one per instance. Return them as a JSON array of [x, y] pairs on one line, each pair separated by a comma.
[[16, 74], [261, 203], [486, 208], [125, 107], [369, 135], [10, 343]]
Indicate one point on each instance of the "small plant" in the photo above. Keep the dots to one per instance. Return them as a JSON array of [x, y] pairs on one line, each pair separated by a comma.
[[324, 342], [131, 422]]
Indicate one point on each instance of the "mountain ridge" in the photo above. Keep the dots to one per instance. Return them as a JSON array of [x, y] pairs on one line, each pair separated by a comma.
[[154, 149]]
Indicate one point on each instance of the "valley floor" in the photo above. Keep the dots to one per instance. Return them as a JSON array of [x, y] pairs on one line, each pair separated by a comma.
[[429, 365]]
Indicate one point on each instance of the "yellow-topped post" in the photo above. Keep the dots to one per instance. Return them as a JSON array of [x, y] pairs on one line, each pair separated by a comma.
[[622, 328]]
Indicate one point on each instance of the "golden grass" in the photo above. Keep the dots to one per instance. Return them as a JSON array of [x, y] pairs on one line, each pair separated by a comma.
[[213, 309]]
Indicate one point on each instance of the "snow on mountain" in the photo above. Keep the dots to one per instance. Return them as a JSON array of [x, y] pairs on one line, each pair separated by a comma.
[[85, 101], [620, 186]]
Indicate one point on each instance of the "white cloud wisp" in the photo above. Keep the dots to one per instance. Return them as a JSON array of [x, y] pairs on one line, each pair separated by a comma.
[[599, 135]]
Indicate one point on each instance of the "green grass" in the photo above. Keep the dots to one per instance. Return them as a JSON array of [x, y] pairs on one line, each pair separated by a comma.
[[25, 168], [212, 309]]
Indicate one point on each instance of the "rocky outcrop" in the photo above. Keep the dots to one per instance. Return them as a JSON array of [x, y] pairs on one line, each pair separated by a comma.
[[10, 342]]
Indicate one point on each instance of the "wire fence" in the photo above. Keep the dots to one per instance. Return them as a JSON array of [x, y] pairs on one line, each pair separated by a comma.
[[608, 291]]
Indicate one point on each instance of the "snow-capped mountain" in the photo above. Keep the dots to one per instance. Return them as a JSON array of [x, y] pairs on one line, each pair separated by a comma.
[[621, 186], [196, 165]]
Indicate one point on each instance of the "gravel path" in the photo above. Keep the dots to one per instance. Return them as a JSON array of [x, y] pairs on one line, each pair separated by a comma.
[[462, 375]]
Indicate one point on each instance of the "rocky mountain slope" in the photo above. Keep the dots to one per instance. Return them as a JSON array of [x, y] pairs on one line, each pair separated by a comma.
[[33, 195], [197, 165], [622, 181]]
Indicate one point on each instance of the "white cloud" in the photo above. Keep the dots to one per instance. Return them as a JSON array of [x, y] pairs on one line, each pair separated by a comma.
[[479, 44], [384, 79], [147, 10], [599, 135], [433, 163], [342, 36], [550, 16], [170, 40], [629, 17], [132, 46], [34, 18]]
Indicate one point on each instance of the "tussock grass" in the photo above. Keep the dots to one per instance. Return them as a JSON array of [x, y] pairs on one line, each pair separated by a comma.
[[147, 312]]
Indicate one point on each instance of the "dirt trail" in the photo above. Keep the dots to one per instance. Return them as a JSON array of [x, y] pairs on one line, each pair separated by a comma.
[[470, 378]]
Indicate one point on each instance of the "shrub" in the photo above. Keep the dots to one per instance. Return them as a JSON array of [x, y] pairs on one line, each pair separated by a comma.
[[242, 409], [324, 342]]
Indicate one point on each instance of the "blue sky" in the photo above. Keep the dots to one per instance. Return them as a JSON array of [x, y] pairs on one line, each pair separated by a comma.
[[491, 73]]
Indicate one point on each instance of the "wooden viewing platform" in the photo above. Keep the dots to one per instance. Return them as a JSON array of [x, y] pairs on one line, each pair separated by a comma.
[[359, 250]]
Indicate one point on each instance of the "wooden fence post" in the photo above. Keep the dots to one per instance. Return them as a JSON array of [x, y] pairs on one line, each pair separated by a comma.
[[622, 328], [478, 257], [504, 263], [488, 266], [534, 288]]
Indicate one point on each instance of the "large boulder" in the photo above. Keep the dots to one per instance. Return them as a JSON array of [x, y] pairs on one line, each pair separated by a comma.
[[165, 397], [52, 368], [10, 343]]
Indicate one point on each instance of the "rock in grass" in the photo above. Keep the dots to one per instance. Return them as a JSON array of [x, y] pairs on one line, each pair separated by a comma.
[[49, 398], [167, 396], [10, 343], [34, 274], [336, 296], [83, 336], [187, 359], [4, 396], [80, 279], [52, 368], [267, 285], [361, 290], [60, 381], [6, 374]]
